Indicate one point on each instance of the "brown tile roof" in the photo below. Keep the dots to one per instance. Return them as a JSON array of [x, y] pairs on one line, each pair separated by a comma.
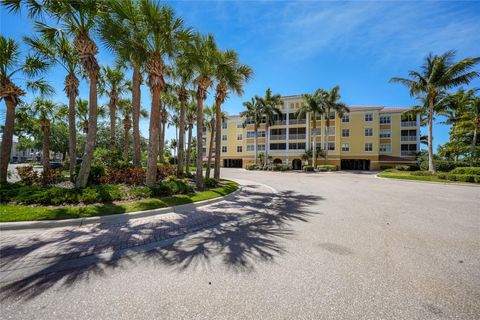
[[386, 158]]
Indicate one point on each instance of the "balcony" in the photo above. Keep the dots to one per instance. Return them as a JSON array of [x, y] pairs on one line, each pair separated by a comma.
[[280, 122], [408, 153], [408, 124], [408, 138], [297, 121], [298, 136], [278, 137]]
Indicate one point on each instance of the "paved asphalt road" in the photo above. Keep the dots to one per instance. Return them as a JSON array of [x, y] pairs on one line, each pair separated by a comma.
[[347, 246]]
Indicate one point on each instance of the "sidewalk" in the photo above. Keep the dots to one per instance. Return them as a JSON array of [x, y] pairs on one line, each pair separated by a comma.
[[68, 245]]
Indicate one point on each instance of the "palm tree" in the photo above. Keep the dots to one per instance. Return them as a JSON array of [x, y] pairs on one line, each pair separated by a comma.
[[112, 83], [125, 108], [311, 107], [81, 109], [58, 48], [125, 18], [45, 111], [168, 102], [165, 32], [328, 102], [190, 117], [202, 56], [231, 76], [11, 66], [209, 123], [253, 115], [269, 104], [438, 74]]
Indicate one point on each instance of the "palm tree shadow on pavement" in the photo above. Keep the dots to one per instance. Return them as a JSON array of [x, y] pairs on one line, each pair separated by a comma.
[[239, 241]]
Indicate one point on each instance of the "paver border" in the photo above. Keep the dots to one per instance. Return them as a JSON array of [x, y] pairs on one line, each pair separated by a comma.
[[114, 218]]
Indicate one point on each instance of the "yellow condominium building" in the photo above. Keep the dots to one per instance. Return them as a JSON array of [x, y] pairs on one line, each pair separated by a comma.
[[366, 138]]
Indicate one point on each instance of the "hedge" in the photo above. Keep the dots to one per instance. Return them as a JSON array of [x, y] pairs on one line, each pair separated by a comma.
[[466, 170], [462, 177], [445, 166], [327, 167], [308, 168]]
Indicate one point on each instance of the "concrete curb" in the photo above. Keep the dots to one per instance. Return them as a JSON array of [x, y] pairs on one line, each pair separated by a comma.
[[114, 218]]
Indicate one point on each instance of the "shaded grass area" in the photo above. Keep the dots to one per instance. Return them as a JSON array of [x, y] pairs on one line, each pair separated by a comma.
[[10, 213], [406, 175]]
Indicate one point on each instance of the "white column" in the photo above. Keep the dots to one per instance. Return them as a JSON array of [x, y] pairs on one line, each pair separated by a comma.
[[418, 132]]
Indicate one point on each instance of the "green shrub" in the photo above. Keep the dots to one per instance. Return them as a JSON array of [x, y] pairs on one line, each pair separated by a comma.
[[466, 170], [476, 179], [211, 183], [171, 187], [385, 167], [421, 173], [461, 177], [402, 168], [308, 168], [444, 165], [327, 167], [252, 167], [442, 175]]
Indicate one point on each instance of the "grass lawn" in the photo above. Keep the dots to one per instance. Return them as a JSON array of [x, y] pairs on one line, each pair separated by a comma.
[[9, 213], [405, 175]]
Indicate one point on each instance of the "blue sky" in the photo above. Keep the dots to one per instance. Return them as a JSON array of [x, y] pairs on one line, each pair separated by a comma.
[[297, 47]]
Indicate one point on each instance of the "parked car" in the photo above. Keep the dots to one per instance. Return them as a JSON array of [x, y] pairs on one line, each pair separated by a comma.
[[56, 165]]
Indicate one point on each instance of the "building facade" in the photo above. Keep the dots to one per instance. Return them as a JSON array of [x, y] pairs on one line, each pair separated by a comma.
[[366, 138]]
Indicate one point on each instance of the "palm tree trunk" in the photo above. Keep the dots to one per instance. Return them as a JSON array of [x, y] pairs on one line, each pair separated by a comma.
[[181, 140], [474, 142], [84, 172], [210, 152], [189, 148], [126, 143], [218, 141], [267, 144], [153, 138], [136, 82], [113, 119], [72, 131], [45, 145], [199, 171], [7, 138], [255, 129], [431, 165], [327, 134], [314, 151], [160, 144]]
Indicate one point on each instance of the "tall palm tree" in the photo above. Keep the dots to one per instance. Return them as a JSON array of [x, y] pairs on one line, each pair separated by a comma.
[[328, 102], [113, 84], [81, 110], [125, 18], [312, 108], [46, 111], [438, 74], [231, 76], [190, 117], [165, 32], [202, 54], [58, 48], [209, 123], [253, 115], [12, 65], [269, 104], [125, 108], [169, 102]]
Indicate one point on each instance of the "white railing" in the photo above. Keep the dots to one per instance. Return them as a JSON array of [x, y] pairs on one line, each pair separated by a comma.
[[278, 137], [280, 122], [298, 136], [408, 123], [297, 121], [409, 153], [408, 138]]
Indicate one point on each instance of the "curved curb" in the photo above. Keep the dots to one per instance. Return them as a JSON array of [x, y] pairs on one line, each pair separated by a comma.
[[433, 182], [114, 218]]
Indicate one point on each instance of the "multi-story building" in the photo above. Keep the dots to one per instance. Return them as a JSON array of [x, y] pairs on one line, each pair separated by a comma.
[[365, 138]]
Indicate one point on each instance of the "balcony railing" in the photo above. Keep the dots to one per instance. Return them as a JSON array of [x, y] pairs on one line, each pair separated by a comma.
[[280, 122], [297, 136], [408, 153], [297, 121], [408, 123], [408, 138], [278, 137]]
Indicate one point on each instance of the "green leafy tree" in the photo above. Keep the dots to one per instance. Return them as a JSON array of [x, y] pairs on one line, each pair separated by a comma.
[[253, 115], [269, 104], [312, 108]]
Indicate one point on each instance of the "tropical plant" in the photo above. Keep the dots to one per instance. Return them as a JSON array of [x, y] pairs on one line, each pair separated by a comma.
[[190, 117], [253, 115], [58, 48], [269, 104], [168, 102], [328, 101], [82, 109], [438, 74], [231, 76], [12, 65], [202, 55], [312, 108], [112, 83]]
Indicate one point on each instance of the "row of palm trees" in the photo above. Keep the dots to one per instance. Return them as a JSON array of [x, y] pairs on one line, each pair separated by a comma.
[[146, 37]]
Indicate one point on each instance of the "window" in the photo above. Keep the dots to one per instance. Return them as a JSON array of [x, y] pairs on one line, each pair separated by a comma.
[[297, 146], [385, 133], [239, 136], [331, 146], [332, 115], [369, 147], [368, 117], [368, 132], [204, 129], [278, 146], [224, 149], [385, 147], [239, 148], [385, 119], [346, 118], [224, 137], [261, 147], [250, 147], [239, 125], [250, 134], [345, 146], [345, 132], [261, 134], [331, 131], [224, 125]]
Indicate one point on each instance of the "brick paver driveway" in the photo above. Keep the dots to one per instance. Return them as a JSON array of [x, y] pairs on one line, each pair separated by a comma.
[[327, 246]]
